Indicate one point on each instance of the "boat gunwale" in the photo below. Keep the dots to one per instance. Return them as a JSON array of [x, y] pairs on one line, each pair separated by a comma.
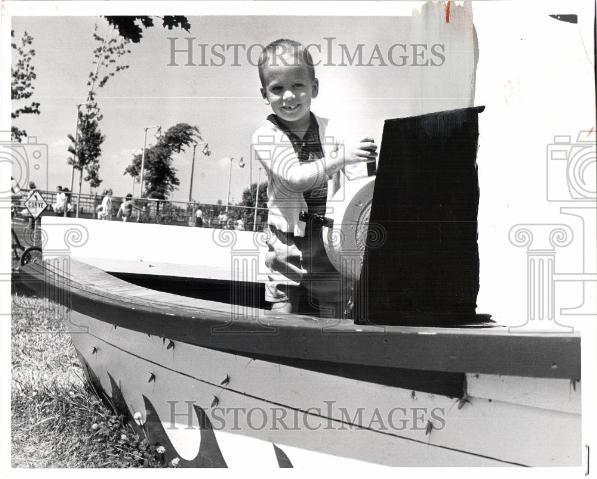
[[451, 349]]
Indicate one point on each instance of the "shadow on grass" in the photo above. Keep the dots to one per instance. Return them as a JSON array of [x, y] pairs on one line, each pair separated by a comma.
[[57, 420]]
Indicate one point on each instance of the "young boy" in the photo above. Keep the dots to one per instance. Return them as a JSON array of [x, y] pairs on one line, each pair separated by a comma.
[[300, 153]]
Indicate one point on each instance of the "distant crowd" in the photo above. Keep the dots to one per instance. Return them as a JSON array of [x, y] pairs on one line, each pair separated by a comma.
[[128, 211]]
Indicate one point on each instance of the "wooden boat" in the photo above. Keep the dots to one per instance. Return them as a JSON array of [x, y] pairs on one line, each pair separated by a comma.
[[169, 324], [219, 384]]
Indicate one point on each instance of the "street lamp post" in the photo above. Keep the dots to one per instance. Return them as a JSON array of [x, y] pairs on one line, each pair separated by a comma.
[[75, 158], [206, 152], [256, 199], [143, 157], [192, 174], [241, 163]]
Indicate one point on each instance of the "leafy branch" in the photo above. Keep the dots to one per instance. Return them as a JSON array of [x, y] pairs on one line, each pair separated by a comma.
[[86, 146], [129, 29], [22, 77]]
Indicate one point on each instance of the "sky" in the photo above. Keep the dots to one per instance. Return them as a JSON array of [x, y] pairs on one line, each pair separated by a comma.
[[223, 101]]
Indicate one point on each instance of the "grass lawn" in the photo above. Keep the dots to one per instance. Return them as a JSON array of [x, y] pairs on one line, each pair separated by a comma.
[[57, 420]]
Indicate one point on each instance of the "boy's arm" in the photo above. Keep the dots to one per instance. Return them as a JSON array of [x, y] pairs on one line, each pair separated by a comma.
[[282, 164], [338, 131]]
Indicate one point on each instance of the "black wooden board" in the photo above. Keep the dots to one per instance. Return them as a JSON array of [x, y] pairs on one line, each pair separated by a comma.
[[421, 264]]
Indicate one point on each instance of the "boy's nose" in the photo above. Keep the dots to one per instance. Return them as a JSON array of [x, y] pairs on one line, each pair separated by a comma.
[[288, 94]]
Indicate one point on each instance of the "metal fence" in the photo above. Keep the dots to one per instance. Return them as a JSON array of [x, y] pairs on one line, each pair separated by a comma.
[[176, 213]]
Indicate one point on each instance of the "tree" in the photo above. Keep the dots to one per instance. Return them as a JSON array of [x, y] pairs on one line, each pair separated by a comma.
[[159, 173], [86, 146], [88, 149], [248, 199], [129, 29], [22, 77]]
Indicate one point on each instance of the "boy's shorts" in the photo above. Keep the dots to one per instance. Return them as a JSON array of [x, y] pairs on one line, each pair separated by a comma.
[[294, 262]]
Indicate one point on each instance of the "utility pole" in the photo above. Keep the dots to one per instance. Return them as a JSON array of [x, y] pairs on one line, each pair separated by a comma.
[[241, 163], [141, 180], [256, 199], [192, 173], [75, 158], [142, 183]]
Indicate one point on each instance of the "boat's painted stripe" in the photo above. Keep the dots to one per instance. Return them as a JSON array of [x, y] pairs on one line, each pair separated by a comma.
[[435, 382], [250, 331]]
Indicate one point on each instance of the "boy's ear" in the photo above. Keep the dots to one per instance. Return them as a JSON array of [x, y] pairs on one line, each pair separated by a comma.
[[315, 88], [264, 96]]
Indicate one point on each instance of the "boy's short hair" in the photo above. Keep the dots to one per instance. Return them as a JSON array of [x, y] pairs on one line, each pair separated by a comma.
[[285, 47]]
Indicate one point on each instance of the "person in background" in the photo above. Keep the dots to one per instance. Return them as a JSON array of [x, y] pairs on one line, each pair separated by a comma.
[[239, 225], [208, 219], [68, 206], [59, 203], [98, 208], [105, 209], [125, 212], [199, 217], [223, 220]]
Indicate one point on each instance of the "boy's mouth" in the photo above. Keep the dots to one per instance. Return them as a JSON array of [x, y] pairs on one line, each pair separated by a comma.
[[290, 108]]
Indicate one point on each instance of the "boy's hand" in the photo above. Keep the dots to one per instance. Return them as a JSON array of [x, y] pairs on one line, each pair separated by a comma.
[[364, 150]]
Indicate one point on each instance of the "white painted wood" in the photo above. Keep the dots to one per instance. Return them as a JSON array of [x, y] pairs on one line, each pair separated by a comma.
[[451, 85], [556, 394], [349, 208], [491, 428], [154, 249]]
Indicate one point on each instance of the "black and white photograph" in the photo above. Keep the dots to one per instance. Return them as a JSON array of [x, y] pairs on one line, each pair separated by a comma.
[[328, 236]]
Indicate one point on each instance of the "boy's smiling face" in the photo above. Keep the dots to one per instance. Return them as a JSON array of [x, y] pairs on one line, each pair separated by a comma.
[[288, 89]]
